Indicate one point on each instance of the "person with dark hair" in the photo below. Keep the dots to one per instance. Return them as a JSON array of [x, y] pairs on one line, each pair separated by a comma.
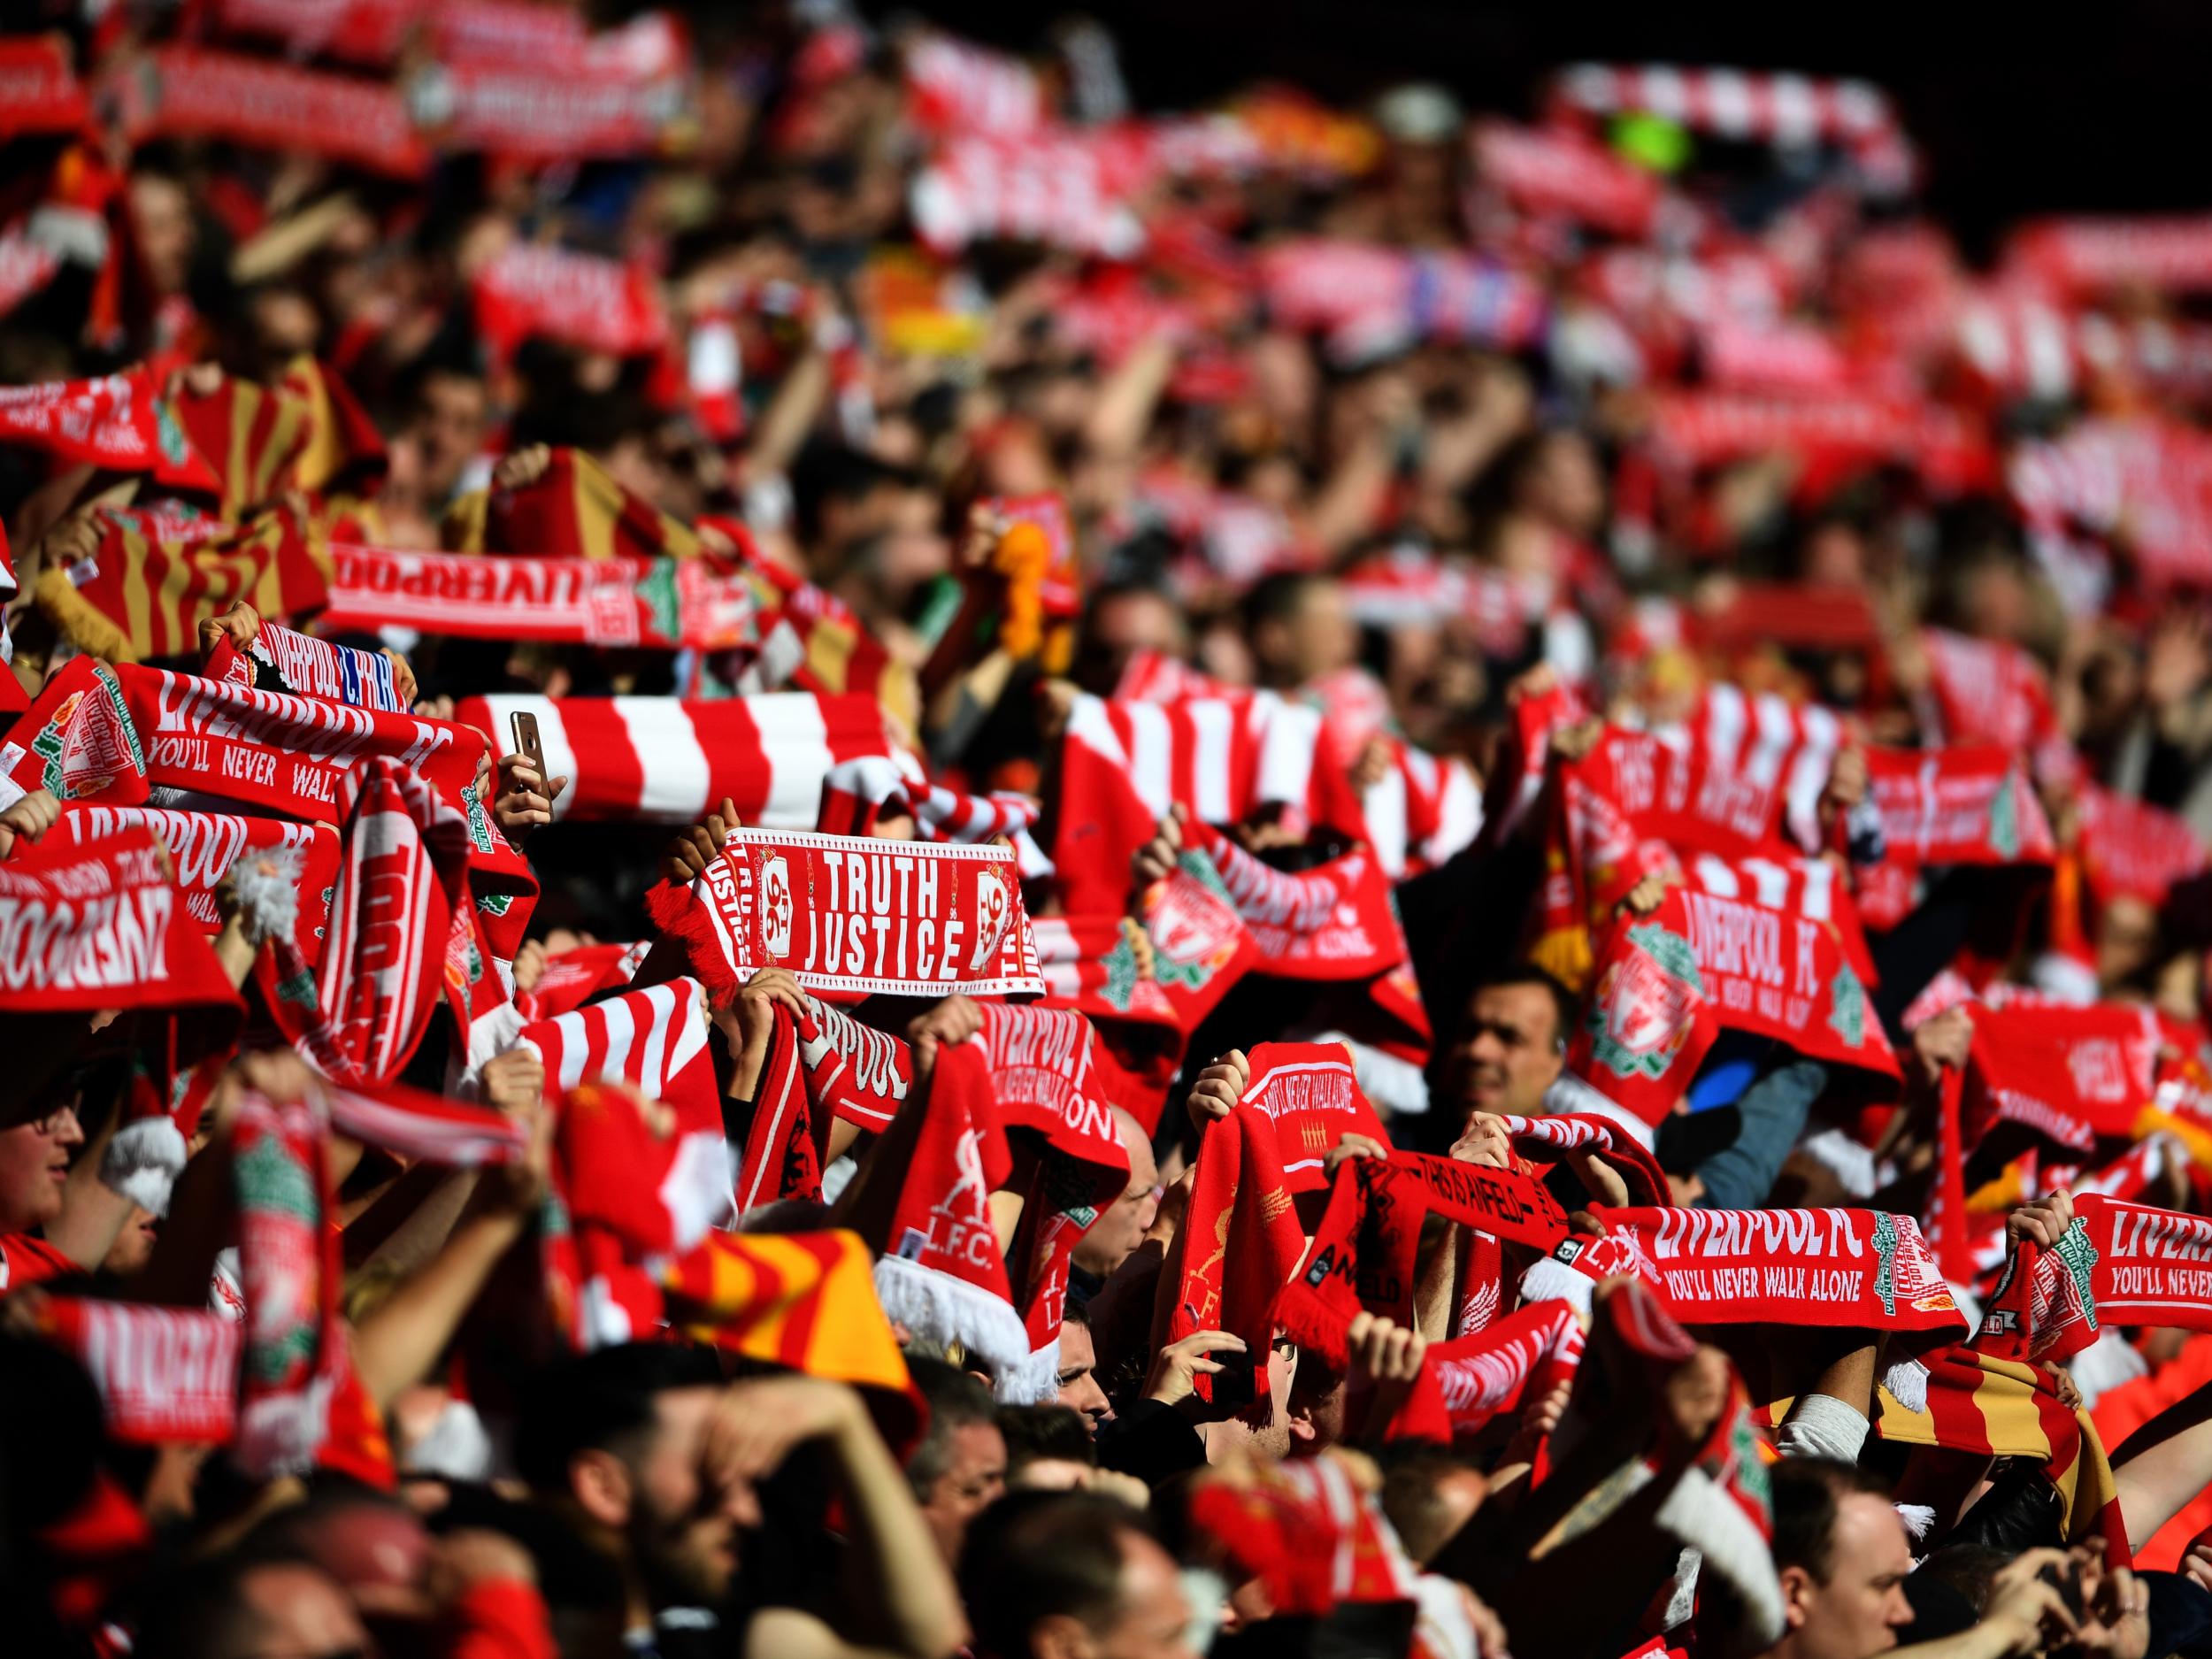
[[1076, 1382], [1511, 1044], [1047, 1447], [1299, 629], [252, 1608], [649, 1456], [959, 1467], [1051, 1575]]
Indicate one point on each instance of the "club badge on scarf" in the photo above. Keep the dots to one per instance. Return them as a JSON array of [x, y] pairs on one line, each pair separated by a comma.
[[854, 918], [1645, 1033], [1335, 921], [307, 667], [2116, 1263], [1858, 1268]]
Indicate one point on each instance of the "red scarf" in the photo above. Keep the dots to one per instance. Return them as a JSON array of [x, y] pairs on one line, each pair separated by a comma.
[[573, 510], [620, 94], [531, 290], [1647, 1029], [1948, 806], [1336, 921], [117, 423], [1519, 1360], [662, 604], [105, 734], [2070, 1075], [164, 1374], [205, 845], [2126, 1264], [1861, 1269], [853, 917], [102, 927], [1053, 1078], [1309, 1091], [1308, 1532], [2131, 847], [1363, 1253], [922, 1204], [1241, 1242], [359, 1012], [189, 91], [575, 977]]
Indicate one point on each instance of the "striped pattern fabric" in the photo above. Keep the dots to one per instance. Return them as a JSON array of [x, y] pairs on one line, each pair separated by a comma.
[[812, 642], [1221, 756], [804, 1300], [573, 510], [1747, 105], [255, 437], [667, 761], [1761, 763], [148, 592], [1422, 810], [654, 1039], [856, 792], [2001, 1407]]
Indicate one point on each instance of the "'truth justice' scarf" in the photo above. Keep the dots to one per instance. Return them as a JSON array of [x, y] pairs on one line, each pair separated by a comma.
[[850, 916]]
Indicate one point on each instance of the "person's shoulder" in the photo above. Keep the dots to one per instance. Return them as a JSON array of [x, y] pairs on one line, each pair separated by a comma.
[[25, 1259], [788, 1633]]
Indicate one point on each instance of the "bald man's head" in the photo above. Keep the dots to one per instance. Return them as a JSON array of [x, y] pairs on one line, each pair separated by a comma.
[[1121, 1226]]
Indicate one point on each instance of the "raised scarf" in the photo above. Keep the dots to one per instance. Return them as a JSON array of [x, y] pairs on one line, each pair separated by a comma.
[[1307, 1531], [1861, 1269], [1509, 1364], [153, 578], [112, 733], [921, 1201], [853, 918], [1335, 921], [117, 423], [307, 667], [1546, 1137], [1363, 1253], [103, 926], [205, 845], [573, 510], [2126, 1264], [255, 437], [662, 760], [822, 1065], [533, 291], [1949, 806], [1122, 764], [2068, 1074], [661, 603], [177, 91], [1311, 1094], [165, 1374], [1645, 1031], [2129, 847], [1239, 1244], [575, 977], [621, 94], [297, 1380], [359, 1011]]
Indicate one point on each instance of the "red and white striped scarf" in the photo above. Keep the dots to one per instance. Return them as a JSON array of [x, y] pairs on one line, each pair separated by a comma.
[[654, 1040], [1516, 1361], [1987, 691], [665, 604], [856, 793], [666, 761], [359, 1013], [1123, 763]]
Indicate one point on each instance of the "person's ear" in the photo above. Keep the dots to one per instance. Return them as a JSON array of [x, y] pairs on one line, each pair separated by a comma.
[[1298, 1419], [600, 1483], [1797, 1591], [1058, 1636]]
